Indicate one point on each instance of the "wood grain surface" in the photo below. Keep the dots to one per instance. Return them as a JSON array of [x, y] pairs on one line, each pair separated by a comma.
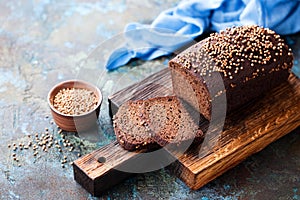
[[158, 84], [246, 131], [96, 171]]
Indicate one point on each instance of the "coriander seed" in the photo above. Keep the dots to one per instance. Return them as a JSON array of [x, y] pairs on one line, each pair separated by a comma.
[[74, 101]]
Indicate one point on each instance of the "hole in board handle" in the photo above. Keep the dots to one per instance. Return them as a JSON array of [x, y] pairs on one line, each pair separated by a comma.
[[101, 159]]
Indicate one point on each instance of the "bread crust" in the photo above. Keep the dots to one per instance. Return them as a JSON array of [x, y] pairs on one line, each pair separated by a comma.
[[160, 121]]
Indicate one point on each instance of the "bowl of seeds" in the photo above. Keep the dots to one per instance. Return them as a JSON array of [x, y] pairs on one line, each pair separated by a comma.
[[75, 105]]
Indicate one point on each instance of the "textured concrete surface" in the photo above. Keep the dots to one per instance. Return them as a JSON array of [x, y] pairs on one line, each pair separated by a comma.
[[43, 42]]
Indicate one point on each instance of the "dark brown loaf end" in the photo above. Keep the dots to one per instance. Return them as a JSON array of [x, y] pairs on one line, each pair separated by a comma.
[[147, 124], [250, 59]]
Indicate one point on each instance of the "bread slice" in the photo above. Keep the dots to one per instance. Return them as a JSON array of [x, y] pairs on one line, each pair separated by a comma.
[[171, 122], [131, 128], [162, 120]]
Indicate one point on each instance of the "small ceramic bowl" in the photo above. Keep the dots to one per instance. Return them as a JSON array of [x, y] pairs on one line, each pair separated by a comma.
[[75, 123]]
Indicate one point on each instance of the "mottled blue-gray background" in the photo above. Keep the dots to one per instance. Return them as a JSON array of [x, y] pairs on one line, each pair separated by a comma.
[[43, 42]]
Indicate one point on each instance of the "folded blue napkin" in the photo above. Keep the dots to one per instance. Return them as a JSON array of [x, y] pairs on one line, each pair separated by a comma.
[[180, 25]]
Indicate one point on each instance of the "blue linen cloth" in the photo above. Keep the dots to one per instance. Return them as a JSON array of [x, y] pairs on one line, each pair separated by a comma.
[[180, 25]]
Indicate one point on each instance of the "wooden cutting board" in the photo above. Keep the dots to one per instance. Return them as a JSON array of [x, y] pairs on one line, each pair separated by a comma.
[[245, 132]]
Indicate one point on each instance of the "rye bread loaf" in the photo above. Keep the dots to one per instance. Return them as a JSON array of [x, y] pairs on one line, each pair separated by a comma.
[[250, 60], [143, 124]]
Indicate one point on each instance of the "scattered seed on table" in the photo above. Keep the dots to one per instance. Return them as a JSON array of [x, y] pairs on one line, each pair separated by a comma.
[[44, 141]]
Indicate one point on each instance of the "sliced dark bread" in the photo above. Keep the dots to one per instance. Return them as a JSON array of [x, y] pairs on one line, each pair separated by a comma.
[[163, 120], [170, 121], [131, 129]]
